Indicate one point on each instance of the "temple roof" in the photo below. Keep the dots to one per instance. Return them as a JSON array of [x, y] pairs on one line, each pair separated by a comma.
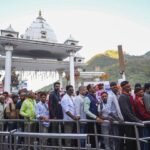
[[40, 30]]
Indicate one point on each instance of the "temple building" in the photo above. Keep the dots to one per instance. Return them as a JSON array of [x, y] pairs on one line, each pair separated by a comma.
[[37, 50]]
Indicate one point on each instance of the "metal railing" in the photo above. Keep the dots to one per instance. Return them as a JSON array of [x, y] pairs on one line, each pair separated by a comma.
[[7, 137]]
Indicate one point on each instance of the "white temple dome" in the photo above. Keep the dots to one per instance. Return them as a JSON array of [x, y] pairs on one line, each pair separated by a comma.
[[40, 30]]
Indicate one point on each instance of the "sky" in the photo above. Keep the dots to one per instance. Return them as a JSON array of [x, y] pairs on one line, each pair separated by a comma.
[[98, 25]]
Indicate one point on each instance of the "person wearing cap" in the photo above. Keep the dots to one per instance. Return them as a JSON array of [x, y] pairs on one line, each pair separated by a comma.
[[127, 109]]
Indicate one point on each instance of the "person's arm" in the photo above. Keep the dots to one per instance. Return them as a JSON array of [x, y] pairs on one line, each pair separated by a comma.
[[88, 113], [125, 108], [86, 108], [17, 110], [23, 110], [147, 102], [77, 106], [53, 108], [64, 104], [142, 111], [115, 109], [7, 111], [38, 113]]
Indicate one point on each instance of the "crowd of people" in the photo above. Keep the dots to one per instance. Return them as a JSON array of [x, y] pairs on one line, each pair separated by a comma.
[[91, 102]]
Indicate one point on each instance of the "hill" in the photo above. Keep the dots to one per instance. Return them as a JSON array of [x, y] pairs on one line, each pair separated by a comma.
[[137, 67]]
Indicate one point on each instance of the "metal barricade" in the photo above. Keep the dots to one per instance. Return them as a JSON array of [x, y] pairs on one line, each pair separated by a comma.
[[76, 135], [42, 136]]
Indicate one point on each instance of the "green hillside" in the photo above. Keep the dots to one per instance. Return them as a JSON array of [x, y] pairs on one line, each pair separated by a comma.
[[102, 60], [137, 67]]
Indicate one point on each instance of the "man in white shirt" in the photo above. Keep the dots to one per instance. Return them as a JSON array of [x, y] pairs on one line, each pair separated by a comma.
[[69, 112], [79, 106], [79, 103]]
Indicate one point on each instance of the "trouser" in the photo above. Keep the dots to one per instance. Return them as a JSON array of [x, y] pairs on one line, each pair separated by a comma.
[[54, 129], [122, 133], [31, 127], [91, 130], [68, 128], [1, 137], [43, 141], [130, 132], [105, 130], [144, 132], [21, 129], [115, 132], [83, 129]]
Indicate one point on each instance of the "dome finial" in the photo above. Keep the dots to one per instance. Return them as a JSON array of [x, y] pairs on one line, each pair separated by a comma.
[[40, 13]]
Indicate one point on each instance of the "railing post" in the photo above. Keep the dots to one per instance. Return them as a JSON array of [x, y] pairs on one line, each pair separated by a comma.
[[96, 137], [35, 145], [137, 138], [78, 131], [10, 139], [88, 146], [60, 131]]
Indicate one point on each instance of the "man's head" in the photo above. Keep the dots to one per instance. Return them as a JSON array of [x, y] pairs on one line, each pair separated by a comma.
[[104, 96], [137, 85], [147, 87], [43, 96], [126, 87], [22, 96], [69, 90], [114, 87], [14, 98], [100, 86], [57, 86], [82, 90], [91, 88], [31, 95], [139, 92], [5, 94]]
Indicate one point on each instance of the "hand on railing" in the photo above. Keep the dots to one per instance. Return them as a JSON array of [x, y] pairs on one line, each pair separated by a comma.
[[76, 118], [99, 120]]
